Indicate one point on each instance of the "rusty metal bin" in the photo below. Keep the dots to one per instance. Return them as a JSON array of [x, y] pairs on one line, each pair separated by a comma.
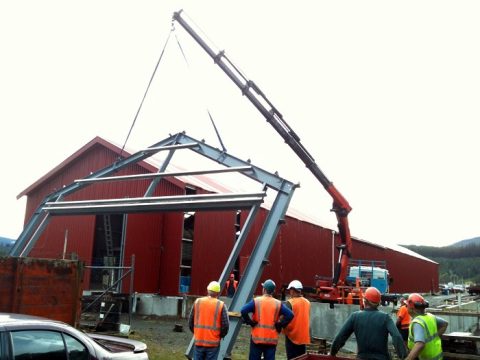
[[50, 288]]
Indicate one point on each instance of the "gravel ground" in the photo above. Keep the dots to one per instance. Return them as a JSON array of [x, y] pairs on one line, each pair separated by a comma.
[[165, 343], [159, 335]]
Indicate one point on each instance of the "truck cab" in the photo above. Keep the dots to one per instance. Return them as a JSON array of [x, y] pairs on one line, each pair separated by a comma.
[[372, 273], [369, 276]]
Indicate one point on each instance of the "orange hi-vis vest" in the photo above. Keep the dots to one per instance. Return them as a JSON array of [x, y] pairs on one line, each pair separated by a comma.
[[349, 299], [266, 314], [235, 284], [298, 330], [207, 321], [404, 316]]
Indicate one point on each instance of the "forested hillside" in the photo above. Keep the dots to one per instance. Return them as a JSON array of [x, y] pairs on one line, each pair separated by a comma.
[[5, 245], [457, 263]]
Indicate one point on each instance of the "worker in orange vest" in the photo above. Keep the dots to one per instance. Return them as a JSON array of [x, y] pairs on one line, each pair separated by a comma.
[[349, 298], [403, 320], [209, 323], [231, 286], [269, 317], [297, 332]]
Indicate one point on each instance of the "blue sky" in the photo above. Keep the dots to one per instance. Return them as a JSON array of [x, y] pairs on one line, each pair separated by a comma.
[[383, 95]]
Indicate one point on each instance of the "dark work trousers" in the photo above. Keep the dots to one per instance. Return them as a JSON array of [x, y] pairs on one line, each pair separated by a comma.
[[293, 350], [256, 351], [206, 353]]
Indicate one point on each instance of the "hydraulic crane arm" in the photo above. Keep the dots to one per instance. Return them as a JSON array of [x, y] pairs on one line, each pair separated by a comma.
[[275, 118]]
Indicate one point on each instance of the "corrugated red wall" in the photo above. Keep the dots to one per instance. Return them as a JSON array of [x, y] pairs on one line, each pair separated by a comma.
[[411, 274], [147, 235], [213, 242], [301, 250], [142, 240], [171, 253]]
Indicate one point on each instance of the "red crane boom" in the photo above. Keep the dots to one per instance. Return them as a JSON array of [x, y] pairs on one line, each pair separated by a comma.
[[275, 118]]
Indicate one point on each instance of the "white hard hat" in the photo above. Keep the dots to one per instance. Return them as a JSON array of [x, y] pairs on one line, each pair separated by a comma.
[[295, 284]]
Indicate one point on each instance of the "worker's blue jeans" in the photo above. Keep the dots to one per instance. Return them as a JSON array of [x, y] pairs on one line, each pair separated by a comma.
[[205, 353], [256, 351], [293, 350]]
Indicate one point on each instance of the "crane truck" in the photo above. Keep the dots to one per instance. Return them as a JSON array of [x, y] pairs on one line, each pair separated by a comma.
[[332, 290]]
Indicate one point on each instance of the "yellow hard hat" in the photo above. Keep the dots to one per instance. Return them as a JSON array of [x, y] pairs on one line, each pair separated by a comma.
[[214, 286]]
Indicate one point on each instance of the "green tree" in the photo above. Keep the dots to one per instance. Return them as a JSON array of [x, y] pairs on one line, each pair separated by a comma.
[[457, 263]]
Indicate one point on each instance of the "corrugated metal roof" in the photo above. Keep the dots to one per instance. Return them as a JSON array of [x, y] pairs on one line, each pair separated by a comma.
[[406, 251]]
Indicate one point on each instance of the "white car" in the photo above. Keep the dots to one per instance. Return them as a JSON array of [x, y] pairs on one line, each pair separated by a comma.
[[36, 338]]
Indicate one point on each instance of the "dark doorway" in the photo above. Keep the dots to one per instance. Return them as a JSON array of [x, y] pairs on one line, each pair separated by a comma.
[[107, 250]]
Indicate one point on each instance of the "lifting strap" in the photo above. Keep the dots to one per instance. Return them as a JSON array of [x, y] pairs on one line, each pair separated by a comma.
[[146, 91], [208, 111]]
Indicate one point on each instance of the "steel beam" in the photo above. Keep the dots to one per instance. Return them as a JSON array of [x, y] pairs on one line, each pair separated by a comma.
[[165, 174], [273, 181], [157, 204]]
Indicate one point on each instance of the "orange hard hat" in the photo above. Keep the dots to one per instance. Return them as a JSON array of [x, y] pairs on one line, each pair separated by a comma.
[[416, 301], [373, 295]]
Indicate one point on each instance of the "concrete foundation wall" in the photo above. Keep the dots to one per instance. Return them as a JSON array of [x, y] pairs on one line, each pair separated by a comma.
[[460, 323], [325, 322], [467, 319], [152, 304]]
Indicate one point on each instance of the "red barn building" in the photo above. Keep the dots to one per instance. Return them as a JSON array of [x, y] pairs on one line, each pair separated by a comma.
[[179, 252]]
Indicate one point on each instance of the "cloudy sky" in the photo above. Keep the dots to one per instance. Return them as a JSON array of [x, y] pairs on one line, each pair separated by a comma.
[[384, 95]]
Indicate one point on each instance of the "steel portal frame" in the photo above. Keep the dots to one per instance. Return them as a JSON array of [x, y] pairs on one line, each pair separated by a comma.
[[53, 205]]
